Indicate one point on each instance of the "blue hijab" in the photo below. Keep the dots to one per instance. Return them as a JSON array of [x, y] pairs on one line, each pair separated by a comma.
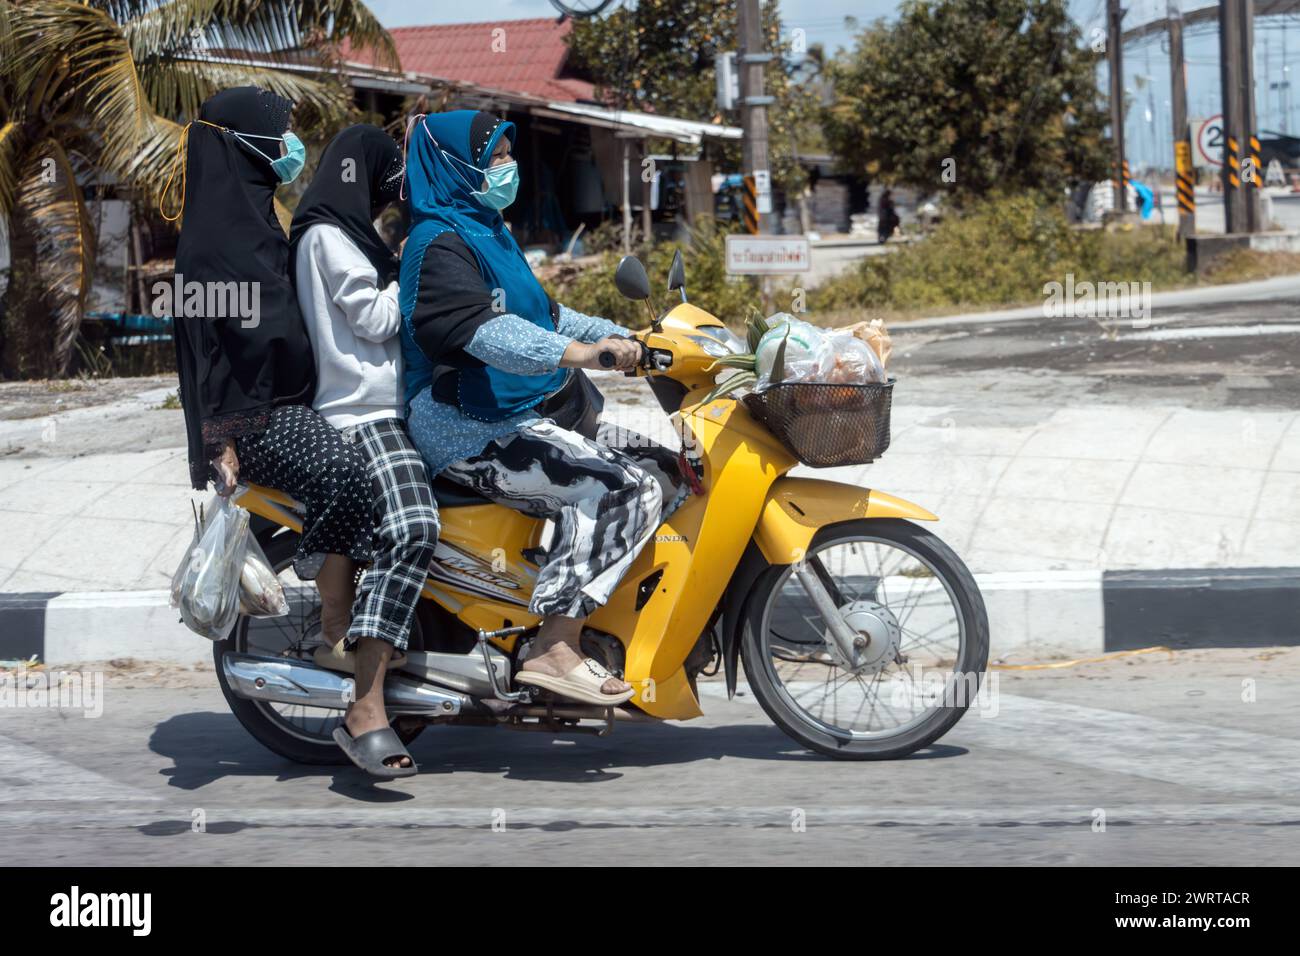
[[441, 201]]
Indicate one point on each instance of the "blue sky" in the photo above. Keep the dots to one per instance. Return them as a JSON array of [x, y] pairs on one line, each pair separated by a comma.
[[1146, 64]]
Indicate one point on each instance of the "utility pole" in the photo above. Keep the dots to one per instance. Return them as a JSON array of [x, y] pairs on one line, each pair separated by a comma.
[[1184, 174], [1240, 144], [1115, 57], [1250, 139], [752, 59]]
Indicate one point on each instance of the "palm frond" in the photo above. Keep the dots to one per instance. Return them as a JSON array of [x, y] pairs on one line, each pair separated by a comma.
[[249, 30], [10, 147], [179, 87], [103, 84], [49, 202]]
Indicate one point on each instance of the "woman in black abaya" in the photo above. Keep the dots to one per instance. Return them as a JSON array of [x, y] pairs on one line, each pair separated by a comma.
[[247, 380]]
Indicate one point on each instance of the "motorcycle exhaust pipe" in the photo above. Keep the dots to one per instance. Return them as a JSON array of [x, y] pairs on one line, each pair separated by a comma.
[[283, 681]]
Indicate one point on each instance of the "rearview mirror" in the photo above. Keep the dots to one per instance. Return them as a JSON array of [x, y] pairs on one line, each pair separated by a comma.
[[631, 280], [677, 274]]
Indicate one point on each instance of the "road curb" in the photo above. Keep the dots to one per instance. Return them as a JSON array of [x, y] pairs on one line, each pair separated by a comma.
[[1032, 615]]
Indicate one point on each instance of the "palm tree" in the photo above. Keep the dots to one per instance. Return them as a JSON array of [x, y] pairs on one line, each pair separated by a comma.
[[99, 86]]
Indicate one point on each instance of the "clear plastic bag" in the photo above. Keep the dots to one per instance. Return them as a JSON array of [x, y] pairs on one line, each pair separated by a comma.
[[260, 591], [854, 362], [206, 585], [807, 355]]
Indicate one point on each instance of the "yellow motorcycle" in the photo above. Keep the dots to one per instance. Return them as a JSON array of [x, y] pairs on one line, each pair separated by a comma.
[[862, 635]]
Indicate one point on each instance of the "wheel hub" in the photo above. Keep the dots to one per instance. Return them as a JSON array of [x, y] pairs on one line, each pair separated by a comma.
[[877, 640]]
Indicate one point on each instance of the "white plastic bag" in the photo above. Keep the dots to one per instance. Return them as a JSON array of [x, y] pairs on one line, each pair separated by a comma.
[[260, 591], [206, 585], [808, 356]]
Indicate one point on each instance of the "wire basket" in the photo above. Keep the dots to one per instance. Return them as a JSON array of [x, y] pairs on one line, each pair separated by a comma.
[[826, 425]]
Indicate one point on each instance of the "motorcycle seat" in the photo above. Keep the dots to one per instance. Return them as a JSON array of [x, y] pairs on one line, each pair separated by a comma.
[[450, 494]]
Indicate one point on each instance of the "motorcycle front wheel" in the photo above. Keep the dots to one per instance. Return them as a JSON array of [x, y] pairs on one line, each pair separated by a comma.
[[921, 641]]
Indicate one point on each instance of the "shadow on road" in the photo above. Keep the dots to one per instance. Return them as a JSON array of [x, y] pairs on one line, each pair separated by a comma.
[[205, 747]]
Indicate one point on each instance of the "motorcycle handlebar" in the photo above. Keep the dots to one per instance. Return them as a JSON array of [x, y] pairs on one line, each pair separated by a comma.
[[653, 360]]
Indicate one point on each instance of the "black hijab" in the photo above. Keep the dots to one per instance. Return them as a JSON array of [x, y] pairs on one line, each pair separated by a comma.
[[359, 173], [232, 371]]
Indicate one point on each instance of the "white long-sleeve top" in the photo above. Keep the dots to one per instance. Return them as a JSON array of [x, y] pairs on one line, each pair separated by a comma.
[[353, 326]]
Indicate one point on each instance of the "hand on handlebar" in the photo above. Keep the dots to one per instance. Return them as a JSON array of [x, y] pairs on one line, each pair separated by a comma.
[[612, 352]]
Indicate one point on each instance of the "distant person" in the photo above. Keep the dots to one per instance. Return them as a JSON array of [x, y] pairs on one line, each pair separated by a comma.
[[888, 217]]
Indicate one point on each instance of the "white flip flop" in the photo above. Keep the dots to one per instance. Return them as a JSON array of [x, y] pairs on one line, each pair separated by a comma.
[[337, 659], [583, 684]]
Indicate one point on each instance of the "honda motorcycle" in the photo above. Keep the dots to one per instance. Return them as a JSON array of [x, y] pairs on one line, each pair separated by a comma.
[[862, 635]]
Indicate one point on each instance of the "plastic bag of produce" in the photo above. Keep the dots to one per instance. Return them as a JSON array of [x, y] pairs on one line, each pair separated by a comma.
[[854, 362], [874, 334], [803, 350], [206, 585], [260, 591]]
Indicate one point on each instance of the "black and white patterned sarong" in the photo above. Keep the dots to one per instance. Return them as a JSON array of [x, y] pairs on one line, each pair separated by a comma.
[[605, 502]]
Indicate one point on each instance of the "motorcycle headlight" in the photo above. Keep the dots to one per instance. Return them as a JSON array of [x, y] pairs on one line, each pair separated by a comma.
[[718, 341]]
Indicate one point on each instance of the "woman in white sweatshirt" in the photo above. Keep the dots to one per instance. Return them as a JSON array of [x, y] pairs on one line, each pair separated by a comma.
[[345, 277]]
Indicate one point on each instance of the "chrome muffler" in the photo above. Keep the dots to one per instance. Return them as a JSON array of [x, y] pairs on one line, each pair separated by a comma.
[[284, 681]]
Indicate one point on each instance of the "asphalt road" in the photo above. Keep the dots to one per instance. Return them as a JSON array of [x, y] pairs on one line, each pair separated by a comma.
[[1165, 751], [1240, 353]]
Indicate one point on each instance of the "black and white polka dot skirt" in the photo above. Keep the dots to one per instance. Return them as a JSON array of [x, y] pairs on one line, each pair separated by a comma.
[[303, 455]]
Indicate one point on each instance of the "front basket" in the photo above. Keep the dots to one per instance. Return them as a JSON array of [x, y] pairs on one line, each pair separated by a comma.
[[825, 425]]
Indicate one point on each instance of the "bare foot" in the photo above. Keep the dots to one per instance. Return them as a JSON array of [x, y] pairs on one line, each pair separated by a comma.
[[559, 658]]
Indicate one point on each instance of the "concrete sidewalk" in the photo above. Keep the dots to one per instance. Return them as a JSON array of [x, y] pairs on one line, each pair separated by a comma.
[[1102, 487], [1047, 506]]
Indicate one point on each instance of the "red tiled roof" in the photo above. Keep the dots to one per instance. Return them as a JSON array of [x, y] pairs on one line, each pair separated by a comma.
[[531, 62]]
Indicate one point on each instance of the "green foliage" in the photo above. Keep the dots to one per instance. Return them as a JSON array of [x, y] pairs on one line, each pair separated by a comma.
[[1003, 88], [729, 297], [660, 57], [1002, 251]]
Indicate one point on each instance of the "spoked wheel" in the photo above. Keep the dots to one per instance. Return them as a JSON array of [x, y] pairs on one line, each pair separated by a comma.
[[302, 734], [910, 653]]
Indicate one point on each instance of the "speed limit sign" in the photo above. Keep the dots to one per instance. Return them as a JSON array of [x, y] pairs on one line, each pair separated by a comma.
[[1209, 141]]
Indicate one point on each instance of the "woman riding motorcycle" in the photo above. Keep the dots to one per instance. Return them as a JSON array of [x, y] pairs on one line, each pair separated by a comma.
[[345, 276], [246, 385], [496, 401]]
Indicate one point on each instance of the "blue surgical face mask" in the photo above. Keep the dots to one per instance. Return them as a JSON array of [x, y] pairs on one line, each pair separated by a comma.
[[502, 179], [502, 185], [287, 167]]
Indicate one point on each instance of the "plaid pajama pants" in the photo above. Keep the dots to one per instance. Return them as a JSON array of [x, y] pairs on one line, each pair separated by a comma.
[[406, 531]]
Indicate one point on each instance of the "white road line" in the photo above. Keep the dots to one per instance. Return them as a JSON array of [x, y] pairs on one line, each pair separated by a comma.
[[29, 775], [1212, 332], [483, 817]]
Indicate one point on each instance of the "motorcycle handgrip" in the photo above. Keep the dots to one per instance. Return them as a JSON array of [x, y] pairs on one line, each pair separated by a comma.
[[606, 359]]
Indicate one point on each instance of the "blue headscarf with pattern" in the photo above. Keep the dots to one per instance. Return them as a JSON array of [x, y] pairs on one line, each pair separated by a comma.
[[441, 164]]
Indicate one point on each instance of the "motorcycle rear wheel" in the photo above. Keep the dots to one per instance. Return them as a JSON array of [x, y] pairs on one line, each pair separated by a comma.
[[300, 734], [789, 655]]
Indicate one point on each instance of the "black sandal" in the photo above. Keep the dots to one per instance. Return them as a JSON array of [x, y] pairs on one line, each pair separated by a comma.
[[370, 750]]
